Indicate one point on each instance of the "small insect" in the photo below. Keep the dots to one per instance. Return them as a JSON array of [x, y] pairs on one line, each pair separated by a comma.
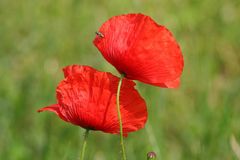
[[99, 34]]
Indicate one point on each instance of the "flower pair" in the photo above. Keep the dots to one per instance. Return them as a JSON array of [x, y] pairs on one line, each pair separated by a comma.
[[138, 48]]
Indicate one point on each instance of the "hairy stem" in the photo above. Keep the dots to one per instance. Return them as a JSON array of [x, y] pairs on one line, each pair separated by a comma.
[[84, 144], [120, 118]]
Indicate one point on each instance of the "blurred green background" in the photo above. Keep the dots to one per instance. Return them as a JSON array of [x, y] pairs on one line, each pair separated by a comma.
[[194, 122]]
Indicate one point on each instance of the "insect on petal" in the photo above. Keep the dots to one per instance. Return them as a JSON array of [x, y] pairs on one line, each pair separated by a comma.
[[141, 49]]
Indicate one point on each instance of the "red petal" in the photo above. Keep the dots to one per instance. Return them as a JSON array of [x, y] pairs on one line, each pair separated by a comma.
[[75, 69], [170, 84], [88, 99], [140, 48], [56, 109]]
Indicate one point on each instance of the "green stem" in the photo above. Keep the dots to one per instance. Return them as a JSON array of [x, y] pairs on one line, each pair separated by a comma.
[[120, 118], [84, 144]]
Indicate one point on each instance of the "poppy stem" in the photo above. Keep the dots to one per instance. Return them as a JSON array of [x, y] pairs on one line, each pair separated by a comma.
[[84, 143], [120, 118]]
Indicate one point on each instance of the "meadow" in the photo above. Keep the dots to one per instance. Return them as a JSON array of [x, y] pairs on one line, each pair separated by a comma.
[[198, 121]]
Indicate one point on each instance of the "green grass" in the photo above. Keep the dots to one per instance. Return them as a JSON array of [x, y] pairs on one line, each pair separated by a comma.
[[194, 122]]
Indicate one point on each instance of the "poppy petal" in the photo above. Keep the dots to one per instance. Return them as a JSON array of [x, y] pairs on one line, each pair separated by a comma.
[[55, 108], [171, 84], [75, 69], [87, 98], [141, 49]]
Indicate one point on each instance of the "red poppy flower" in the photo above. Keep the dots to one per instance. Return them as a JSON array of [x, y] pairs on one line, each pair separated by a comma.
[[141, 49], [87, 98]]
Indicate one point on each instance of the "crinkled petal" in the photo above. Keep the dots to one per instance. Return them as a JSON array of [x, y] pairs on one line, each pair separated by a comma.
[[55, 108], [75, 69], [88, 99], [141, 49]]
